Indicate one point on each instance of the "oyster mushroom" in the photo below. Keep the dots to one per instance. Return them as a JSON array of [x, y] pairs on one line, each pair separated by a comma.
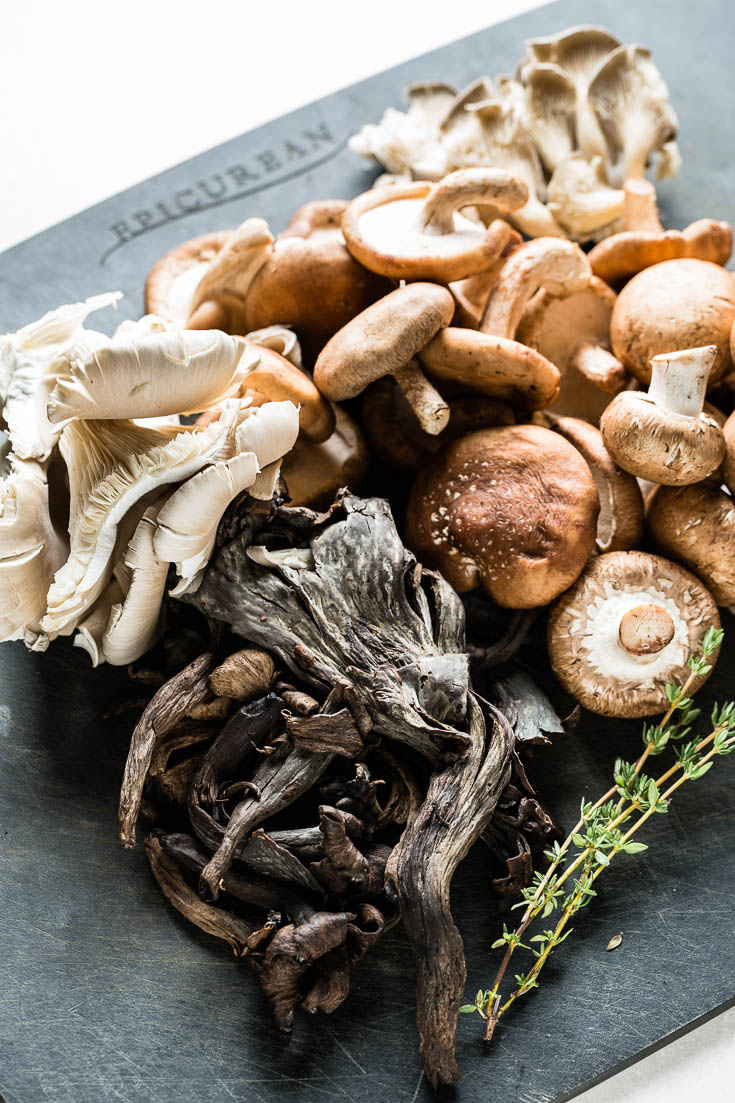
[[680, 304], [625, 630], [513, 509], [581, 199], [548, 113], [280, 339], [664, 436], [313, 473], [172, 281], [631, 102], [403, 142], [383, 340], [91, 629], [573, 333], [695, 525], [416, 232]]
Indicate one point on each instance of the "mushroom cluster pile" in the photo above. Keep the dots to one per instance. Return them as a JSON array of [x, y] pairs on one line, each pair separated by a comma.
[[581, 114]]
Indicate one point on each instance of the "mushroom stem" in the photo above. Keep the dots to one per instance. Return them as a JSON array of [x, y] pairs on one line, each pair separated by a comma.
[[467, 187], [600, 367], [640, 209], [430, 408], [679, 379], [646, 630]]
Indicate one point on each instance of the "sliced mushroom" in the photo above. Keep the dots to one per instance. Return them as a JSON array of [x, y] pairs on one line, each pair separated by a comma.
[[416, 231], [173, 280], [383, 341], [511, 509], [313, 473], [680, 304], [695, 525], [664, 436], [626, 630]]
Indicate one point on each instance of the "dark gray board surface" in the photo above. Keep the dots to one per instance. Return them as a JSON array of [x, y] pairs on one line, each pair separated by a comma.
[[104, 993]]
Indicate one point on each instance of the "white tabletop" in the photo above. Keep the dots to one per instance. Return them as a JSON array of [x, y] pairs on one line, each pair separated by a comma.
[[97, 98]]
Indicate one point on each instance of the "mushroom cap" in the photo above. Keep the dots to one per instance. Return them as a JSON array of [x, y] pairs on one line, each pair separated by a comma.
[[728, 466], [695, 525], [493, 366], [382, 339], [680, 304], [620, 521], [583, 634], [384, 229], [314, 473], [619, 257], [172, 281], [275, 379], [318, 216], [513, 509], [557, 327], [577, 50]]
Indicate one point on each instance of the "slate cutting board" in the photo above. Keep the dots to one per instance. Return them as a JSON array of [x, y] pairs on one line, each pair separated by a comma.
[[104, 993]]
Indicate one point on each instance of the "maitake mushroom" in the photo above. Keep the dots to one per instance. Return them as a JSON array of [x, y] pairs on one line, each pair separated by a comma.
[[626, 629]]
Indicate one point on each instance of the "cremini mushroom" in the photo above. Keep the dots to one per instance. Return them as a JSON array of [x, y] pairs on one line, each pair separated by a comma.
[[313, 473], [416, 232], [626, 629], [643, 242], [695, 525], [620, 520], [166, 372], [410, 141], [631, 102], [172, 281], [680, 304], [728, 466], [383, 340], [511, 509], [664, 436], [573, 333]]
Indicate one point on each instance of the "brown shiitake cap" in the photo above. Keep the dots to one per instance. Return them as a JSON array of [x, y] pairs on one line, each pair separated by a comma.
[[680, 304], [172, 281], [383, 340], [318, 216], [695, 525], [275, 379], [314, 473], [414, 231], [620, 521], [558, 266], [626, 629], [574, 334], [512, 509], [664, 436], [492, 366], [395, 436]]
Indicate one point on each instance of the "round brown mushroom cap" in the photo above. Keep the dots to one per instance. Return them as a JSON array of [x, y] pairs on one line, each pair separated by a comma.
[[574, 333], [172, 280], [620, 521], [728, 465], [513, 509], [492, 366], [584, 641], [414, 231], [616, 259], [680, 304], [275, 379], [396, 437], [382, 339], [695, 525], [314, 473]]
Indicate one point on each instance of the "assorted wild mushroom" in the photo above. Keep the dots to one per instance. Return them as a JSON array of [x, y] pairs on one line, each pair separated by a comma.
[[358, 460]]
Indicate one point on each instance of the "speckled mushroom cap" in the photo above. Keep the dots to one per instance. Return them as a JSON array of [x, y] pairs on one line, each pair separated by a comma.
[[695, 525], [415, 231], [665, 436], [625, 630], [574, 333], [512, 509], [172, 281], [680, 304]]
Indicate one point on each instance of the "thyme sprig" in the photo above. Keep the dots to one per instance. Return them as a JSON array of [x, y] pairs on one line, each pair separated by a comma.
[[599, 835]]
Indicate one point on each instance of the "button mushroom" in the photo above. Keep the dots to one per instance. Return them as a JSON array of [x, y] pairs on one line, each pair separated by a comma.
[[511, 509], [383, 340], [416, 232], [625, 630], [664, 436], [172, 281], [695, 525]]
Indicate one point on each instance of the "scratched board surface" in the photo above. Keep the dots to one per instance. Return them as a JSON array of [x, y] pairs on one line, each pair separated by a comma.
[[104, 992]]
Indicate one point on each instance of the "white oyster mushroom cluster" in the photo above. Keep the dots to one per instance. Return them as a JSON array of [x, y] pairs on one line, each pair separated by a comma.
[[102, 487], [582, 114]]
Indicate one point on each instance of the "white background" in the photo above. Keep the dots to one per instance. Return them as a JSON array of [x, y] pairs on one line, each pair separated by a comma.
[[96, 97]]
